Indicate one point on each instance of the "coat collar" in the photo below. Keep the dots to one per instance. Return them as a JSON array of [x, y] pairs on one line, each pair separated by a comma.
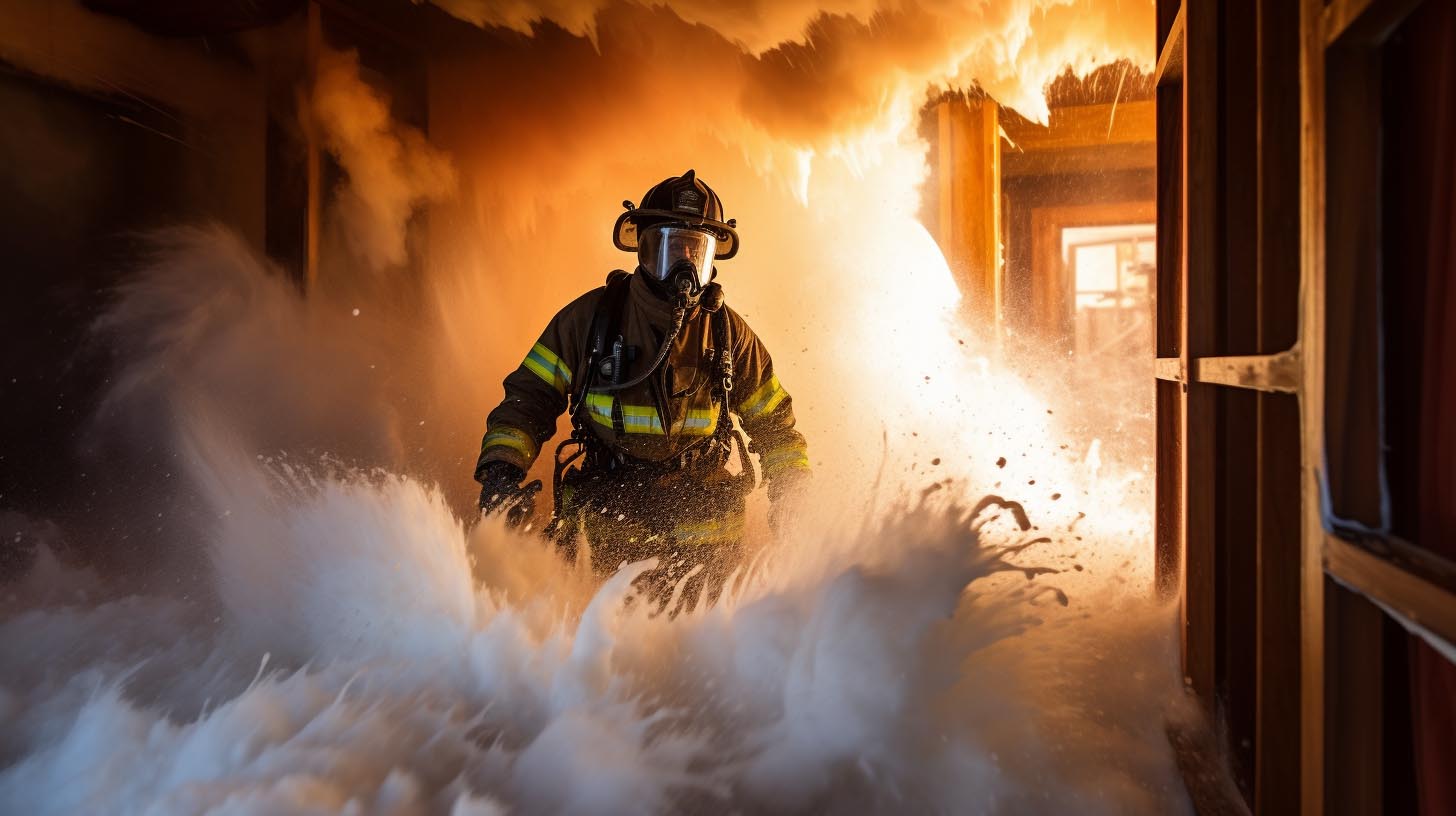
[[657, 310]]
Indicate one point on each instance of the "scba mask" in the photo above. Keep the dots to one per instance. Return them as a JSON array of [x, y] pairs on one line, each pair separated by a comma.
[[674, 255]]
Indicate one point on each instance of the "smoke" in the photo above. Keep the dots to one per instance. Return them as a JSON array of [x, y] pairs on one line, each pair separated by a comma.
[[391, 170]]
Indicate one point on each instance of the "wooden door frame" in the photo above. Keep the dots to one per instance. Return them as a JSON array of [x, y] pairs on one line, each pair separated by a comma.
[[1053, 292]]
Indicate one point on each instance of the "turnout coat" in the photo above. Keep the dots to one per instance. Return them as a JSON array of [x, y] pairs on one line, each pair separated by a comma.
[[658, 421]]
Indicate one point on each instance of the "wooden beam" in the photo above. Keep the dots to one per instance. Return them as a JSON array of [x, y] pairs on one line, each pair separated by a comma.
[[970, 203], [1414, 585], [1087, 159], [1170, 54], [1354, 692], [1201, 259], [1167, 295], [1277, 750], [1168, 491], [1277, 717], [1312, 409], [1128, 122], [1366, 21], [1053, 291], [1278, 373]]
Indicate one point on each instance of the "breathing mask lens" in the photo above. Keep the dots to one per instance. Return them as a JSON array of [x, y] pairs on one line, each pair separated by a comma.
[[665, 252]]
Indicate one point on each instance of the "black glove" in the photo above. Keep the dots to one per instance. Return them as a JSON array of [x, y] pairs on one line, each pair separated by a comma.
[[501, 491]]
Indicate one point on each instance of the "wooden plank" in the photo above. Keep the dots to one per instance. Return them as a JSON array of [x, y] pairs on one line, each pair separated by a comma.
[[1168, 491], [1364, 21], [969, 153], [1127, 122], [1167, 295], [1169, 369], [1053, 291], [1239, 489], [988, 235], [1201, 260], [1278, 373], [1278, 715], [1311, 342], [1353, 727], [1167, 300], [1170, 54], [1238, 454], [1087, 159], [1411, 583]]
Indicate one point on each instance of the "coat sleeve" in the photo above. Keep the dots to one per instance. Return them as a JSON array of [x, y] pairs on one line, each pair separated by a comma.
[[766, 410], [536, 392]]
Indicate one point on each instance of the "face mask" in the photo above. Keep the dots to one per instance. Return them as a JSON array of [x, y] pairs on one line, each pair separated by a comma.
[[669, 254]]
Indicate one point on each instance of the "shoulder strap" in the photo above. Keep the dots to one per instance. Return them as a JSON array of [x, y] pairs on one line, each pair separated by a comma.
[[604, 323]]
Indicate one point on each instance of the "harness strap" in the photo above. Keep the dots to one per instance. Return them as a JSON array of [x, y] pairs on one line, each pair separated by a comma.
[[725, 433], [605, 323]]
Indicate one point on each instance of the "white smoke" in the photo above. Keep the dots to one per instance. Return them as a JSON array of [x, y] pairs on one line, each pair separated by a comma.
[[391, 170]]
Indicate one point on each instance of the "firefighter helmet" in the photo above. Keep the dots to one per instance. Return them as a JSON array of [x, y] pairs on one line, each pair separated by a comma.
[[681, 200]]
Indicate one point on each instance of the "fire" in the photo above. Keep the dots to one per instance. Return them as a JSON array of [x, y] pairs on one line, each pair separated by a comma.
[[807, 128]]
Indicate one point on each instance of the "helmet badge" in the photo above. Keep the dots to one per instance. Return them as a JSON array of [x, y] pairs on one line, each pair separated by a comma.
[[690, 199]]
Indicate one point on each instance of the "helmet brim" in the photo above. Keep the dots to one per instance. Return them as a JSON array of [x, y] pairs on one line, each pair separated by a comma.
[[624, 234]]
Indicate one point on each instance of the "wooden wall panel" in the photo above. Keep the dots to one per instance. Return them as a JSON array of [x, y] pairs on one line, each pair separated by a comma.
[[1201, 263]]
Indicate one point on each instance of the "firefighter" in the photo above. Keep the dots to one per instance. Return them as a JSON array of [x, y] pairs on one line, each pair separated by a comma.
[[652, 367]]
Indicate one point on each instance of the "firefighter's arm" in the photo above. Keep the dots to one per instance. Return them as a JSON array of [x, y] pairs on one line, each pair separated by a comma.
[[766, 410], [536, 394]]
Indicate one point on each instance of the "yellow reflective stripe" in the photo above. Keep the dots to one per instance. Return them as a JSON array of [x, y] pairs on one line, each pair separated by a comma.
[[641, 419], [512, 438], [711, 531], [544, 363], [699, 422], [644, 419], [600, 408], [765, 399], [781, 459], [550, 357]]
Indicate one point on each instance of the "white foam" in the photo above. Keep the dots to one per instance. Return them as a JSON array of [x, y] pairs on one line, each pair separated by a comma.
[[399, 683]]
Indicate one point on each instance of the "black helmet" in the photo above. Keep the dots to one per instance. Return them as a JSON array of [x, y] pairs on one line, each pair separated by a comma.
[[678, 200]]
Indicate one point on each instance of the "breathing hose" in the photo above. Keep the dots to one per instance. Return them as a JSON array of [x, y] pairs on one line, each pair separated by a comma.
[[679, 314]]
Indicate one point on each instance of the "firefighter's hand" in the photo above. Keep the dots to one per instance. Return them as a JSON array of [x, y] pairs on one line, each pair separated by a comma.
[[501, 491], [786, 498]]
